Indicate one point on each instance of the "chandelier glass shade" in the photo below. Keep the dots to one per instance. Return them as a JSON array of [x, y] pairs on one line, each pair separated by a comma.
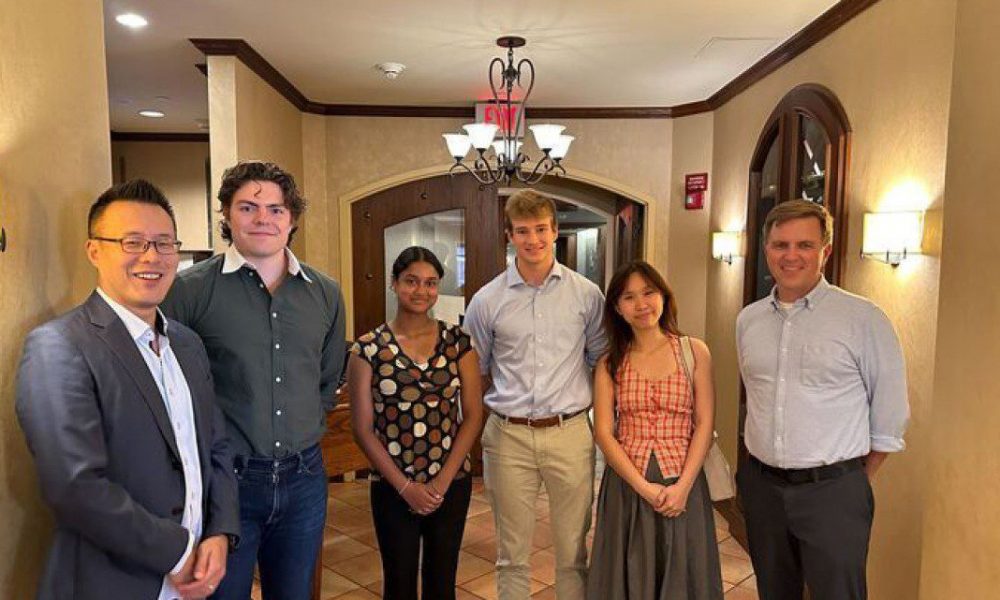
[[497, 156]]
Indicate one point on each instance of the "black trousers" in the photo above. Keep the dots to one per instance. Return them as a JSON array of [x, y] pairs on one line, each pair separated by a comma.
[[400, 534], [814, 533]]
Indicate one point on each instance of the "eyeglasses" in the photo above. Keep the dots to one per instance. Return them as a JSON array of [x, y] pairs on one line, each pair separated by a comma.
[[133, 245]]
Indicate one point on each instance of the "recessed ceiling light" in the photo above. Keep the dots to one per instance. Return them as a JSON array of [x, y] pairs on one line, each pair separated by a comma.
[[132, 20], [152, 114]]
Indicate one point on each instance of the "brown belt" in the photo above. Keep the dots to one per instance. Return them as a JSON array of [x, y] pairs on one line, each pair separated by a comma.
[[541, 422]]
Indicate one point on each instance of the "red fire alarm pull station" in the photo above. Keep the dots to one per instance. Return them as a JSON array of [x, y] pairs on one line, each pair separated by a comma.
[[694, 191]]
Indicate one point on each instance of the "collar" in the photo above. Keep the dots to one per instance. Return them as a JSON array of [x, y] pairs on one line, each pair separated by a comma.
[[234, 261], [809, 300], [514, 276], [137, 328]]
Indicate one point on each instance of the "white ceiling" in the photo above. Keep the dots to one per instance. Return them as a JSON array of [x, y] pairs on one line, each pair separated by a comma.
[[586, 52]]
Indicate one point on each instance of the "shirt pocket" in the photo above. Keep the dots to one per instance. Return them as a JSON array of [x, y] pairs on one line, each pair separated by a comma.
[[826, 365]]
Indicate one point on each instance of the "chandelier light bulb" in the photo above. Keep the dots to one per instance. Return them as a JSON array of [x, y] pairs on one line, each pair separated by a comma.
[[547, 135], [561, 147], [481, 134], [458, 144], [500, 147]]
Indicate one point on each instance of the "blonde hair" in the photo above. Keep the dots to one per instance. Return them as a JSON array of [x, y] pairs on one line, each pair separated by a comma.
[[528, 204], [800, 209]]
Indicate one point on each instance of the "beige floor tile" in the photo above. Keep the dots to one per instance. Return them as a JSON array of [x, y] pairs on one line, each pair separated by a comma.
[[731, 547], [486, 586], [478, 507], [548, 593], [358, 594], [542, 536], [734, 568], [475, 534], [742, 592], [334, 584], [471, 566], [338, 547], [461, 594], [349, 521], [543, 566], [486, 550], [362, 570]]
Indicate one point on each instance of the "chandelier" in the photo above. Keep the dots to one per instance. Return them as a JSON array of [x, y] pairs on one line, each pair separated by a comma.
[[497, 155]]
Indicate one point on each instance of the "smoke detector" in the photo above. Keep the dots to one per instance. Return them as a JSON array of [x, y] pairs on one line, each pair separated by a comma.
[[391, 70]]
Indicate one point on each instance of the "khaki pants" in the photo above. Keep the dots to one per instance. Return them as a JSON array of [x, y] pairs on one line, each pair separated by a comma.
[[517, 459]]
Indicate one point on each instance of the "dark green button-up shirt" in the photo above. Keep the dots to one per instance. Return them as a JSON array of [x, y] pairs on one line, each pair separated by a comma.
[[276, 359]]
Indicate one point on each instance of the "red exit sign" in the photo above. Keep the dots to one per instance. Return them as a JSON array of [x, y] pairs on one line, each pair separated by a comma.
[[499, 114]]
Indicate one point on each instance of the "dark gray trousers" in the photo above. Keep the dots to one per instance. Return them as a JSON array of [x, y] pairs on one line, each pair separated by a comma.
[[814, 533]]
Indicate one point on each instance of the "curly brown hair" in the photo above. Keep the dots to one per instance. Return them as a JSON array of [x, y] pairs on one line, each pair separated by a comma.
[[246, 171]]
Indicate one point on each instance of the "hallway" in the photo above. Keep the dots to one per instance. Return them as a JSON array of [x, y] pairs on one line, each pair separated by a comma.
[[352, 568]]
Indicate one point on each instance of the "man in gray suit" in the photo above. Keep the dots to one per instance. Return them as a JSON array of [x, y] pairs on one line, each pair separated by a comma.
[[117, 405]]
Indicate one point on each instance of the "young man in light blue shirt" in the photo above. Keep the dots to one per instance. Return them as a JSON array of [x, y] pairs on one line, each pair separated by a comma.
[[537, 329]]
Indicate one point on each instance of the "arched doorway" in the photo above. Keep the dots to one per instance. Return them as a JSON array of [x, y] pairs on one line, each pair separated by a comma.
[[462, 221]]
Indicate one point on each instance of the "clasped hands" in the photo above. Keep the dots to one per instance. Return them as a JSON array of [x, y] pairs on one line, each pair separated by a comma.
[[668, 500], [424, 498], [204, 569]]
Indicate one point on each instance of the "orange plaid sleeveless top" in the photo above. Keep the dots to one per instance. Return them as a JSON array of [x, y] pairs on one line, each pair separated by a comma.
[[655, 415]]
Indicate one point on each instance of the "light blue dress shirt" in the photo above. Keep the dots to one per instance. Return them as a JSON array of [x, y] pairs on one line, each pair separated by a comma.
[[825, 379], [166, 371], [538, 344]]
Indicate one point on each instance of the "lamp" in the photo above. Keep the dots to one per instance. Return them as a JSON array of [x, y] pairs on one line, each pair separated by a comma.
[[892, 236], [726, 245], [507, 162]]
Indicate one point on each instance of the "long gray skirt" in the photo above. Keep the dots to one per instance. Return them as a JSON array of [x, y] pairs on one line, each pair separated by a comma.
[[639, 554]]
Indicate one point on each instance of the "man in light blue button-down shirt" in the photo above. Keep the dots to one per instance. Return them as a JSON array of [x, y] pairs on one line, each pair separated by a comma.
[[537, 329], [826, 403]]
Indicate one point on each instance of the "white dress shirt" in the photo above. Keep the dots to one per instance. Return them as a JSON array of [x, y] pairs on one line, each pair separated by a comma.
[[825, 379], [166, 371]]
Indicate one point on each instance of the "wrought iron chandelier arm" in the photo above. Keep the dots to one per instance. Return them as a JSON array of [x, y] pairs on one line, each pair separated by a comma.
[[472, 172]]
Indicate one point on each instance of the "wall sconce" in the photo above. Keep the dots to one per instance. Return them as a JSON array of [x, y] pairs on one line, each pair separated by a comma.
[[891, 237], [726, 245]]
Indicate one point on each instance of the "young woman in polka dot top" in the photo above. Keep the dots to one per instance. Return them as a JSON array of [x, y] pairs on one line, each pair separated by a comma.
[[416, 408]]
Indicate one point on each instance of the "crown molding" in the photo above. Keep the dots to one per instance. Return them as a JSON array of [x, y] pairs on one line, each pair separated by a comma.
[[157, 136]]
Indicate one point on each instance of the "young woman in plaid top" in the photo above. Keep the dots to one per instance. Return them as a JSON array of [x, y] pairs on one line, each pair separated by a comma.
[[655, 534]]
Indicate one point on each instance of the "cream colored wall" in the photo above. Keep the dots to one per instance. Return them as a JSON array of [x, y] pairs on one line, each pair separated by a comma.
[[249, 120], [891, 69], [689, 249], [178, 169], [55, 158], [961, 526], [632, 157]]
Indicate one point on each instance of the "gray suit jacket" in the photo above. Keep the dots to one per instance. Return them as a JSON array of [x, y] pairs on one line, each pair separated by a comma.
[[107, 459]]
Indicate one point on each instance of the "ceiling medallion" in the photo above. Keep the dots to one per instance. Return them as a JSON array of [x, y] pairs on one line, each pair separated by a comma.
[[498, 158]]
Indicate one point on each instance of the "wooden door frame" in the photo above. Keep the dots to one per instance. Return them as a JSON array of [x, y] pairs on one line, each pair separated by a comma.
[[345, 256]]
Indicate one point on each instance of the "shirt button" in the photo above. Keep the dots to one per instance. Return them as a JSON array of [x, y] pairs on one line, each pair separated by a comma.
[[277, 412], [277, 346], [541, 364], [261, 286], [274, 315], [277, 444], [782, 379], [278, 379], [539, 315]]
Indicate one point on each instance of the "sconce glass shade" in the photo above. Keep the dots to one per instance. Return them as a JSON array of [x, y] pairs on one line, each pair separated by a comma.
[[547, 135], [481, 134], [891, 237], [725, 245], [458, 144], [562, 147]]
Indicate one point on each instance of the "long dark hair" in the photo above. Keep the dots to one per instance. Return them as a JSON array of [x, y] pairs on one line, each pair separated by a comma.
[[619, 332]]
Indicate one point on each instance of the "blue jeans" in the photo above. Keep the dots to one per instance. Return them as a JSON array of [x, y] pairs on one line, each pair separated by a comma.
[[282, 515]]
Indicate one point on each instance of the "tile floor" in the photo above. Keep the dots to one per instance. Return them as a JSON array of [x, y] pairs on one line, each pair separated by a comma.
[[352, 569]]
